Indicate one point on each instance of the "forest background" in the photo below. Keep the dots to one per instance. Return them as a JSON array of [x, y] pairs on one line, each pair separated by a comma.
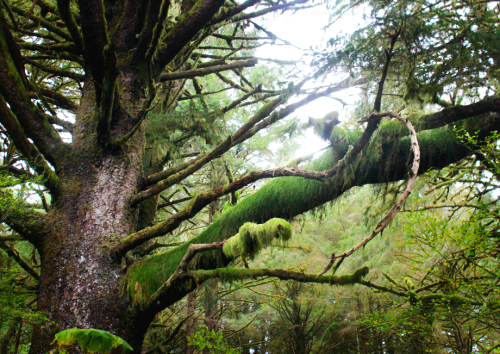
[[433, 281]]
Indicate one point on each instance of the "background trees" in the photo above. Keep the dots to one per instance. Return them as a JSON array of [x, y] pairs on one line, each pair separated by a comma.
[[121, 212]]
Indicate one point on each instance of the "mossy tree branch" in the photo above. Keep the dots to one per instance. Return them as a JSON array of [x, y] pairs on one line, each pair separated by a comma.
[[191, 279], [288, 197]]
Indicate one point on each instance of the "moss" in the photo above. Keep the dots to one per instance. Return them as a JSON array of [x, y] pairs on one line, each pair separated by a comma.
[[324, 127], [236, 274], [443, 300], [354, 278], [252, 238], [383, 161]]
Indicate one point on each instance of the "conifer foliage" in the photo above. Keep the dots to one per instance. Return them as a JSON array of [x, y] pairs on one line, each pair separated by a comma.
[[126, 125]]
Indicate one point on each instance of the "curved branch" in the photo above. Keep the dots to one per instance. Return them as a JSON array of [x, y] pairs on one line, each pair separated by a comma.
[[412, 175], [190, 279]]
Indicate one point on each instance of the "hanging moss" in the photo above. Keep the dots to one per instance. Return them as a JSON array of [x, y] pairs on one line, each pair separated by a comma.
[[323, 127], [252, 238]]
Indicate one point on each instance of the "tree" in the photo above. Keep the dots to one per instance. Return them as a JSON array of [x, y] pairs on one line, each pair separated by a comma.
[[122, 67]]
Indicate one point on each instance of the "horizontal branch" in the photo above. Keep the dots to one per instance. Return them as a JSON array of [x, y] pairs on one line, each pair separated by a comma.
[[207, 71], [229, 274], [49, 48], [202, 200], [190, 279], [56, 71]]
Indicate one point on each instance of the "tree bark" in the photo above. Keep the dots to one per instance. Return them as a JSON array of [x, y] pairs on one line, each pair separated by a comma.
[[80, 285]]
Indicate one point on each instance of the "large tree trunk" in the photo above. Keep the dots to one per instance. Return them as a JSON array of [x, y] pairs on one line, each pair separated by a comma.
[[80, 284]]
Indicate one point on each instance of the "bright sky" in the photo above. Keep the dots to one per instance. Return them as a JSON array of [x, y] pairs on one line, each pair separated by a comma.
[[305, 29]]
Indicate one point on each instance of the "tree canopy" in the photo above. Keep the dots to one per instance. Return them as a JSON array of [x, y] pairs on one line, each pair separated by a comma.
[[131, 132]]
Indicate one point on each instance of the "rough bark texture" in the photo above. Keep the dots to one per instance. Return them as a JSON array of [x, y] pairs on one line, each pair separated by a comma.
[[80, 284], [104, 193]]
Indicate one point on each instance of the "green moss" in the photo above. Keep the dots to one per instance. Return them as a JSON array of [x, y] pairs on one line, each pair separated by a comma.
[[384, 160], [324, 127], [236, 274], [354, 278], [443, 300], [252, 238]]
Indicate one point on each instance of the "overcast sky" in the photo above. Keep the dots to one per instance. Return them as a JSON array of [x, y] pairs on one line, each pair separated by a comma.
[[305, 29]]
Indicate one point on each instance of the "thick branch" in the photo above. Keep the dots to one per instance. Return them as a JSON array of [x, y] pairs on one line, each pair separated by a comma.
[[95, 37], [286, 197], [187, 26]]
